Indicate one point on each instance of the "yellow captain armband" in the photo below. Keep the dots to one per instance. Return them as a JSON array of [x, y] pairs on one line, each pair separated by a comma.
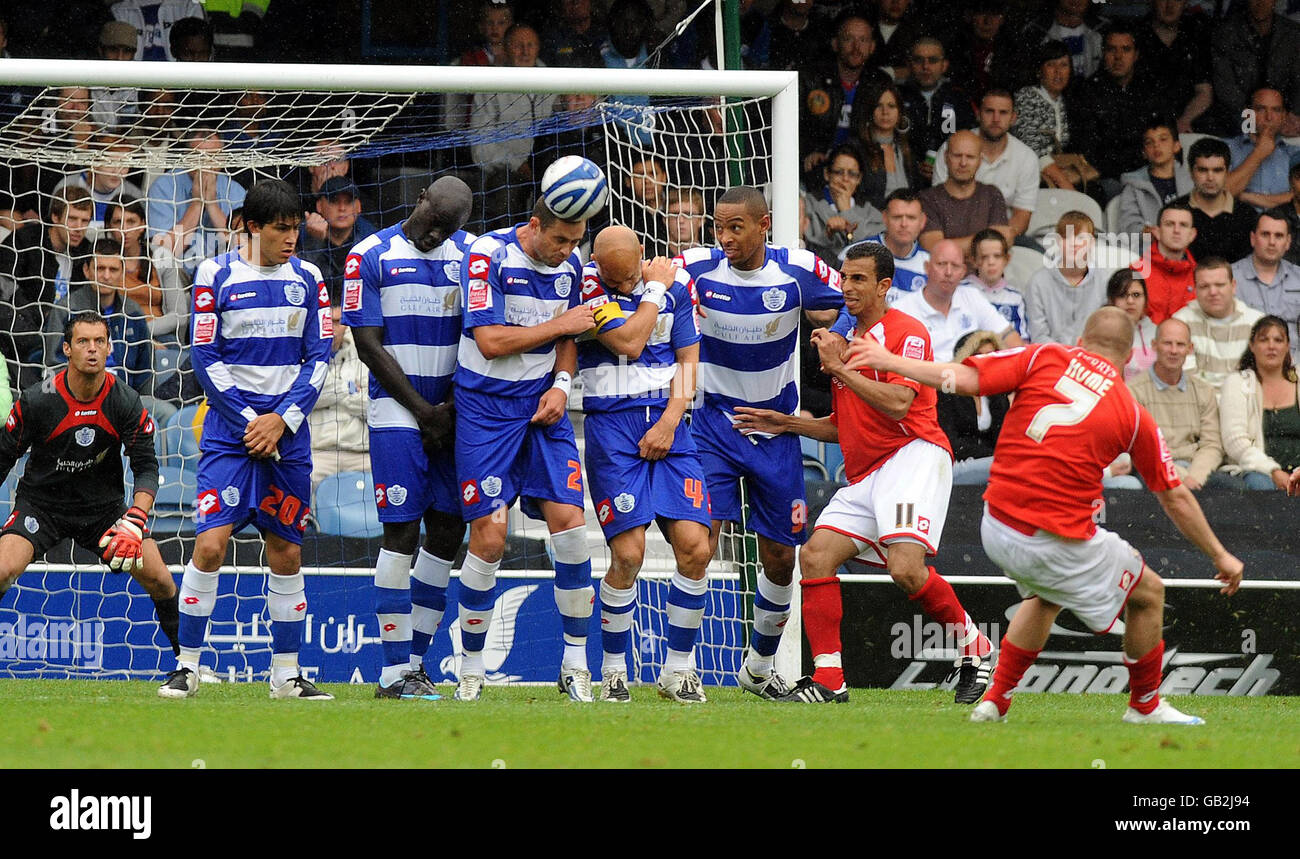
[[606, 312]]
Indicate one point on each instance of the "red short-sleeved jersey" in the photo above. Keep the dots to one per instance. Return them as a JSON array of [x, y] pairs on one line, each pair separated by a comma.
[[1071, 416], [868, 436]]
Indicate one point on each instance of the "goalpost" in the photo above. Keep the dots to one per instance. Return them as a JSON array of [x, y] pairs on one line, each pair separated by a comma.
[[393, 128]]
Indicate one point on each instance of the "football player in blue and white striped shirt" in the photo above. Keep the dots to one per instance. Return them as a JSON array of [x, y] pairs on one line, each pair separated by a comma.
[[402, 299], [513, 436], [751, 294], [260, 345], [638, 378]]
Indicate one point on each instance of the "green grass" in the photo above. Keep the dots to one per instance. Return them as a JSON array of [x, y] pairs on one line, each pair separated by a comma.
[[80, 724]]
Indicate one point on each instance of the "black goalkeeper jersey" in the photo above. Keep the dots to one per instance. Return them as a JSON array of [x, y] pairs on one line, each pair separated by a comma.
[[76, 462]]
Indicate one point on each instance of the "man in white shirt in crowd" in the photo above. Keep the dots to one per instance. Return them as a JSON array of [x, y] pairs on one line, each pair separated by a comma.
[[948, 309]]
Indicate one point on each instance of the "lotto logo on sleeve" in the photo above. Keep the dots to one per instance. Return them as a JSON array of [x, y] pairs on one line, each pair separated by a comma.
[[591, 287], [914, 347], [478, 266], [11, 421], [322, 294], [351, 295], [480, 296], [205, 329], [352, 267], [204, 300]]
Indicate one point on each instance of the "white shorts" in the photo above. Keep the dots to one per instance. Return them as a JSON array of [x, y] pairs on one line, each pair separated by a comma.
[[1092, 578], [905, 500]]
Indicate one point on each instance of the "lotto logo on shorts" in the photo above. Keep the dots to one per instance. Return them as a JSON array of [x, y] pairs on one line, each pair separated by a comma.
[[208, 502], [480, 296], [322, 294], [478, 266], [204, 300], [351, 295], [469, 492], [1125, 580], [923, 524], [10, 520], [205, 329], [11, 421], [798, 515], [605, 512], [914, 347], [381, 497]]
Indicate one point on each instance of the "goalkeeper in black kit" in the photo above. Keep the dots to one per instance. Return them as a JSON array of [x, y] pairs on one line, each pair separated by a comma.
[[76, 425]]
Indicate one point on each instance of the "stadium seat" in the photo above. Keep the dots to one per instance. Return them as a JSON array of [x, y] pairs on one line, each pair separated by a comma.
[[1024, 262], [166, 362], [833, 458], [1054, 202], [1112, 215], [814, 470], [345, 505]]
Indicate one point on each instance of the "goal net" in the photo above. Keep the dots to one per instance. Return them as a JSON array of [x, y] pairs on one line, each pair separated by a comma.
[[147, 166]]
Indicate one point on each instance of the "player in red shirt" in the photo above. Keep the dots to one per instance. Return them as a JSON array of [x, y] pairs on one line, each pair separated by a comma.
[[1071, 415], [899, 465]]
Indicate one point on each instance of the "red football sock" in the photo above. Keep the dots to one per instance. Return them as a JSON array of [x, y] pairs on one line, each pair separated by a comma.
[[1144, 680], [1013, 662], [823, 610], [940, 602]]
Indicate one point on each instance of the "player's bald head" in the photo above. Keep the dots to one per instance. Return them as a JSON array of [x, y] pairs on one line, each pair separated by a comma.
[[443, 209], [616, 250], [745, 195], [1109, 332], [449, 195]]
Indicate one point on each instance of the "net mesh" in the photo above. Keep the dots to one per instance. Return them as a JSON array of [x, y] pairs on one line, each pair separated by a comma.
[[165, 173]]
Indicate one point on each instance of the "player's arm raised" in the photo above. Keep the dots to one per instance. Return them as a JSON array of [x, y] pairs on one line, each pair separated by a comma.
[[950, 378], [630, 338], [496, 341], [886, 397]]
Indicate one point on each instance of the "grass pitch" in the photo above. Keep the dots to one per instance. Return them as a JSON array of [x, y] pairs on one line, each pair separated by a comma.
[[113, 724]]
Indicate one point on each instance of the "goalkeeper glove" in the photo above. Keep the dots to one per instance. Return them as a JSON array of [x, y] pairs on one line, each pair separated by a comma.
[[123, 543]]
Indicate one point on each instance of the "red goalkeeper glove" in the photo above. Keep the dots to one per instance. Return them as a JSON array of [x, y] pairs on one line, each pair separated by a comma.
[[123, 543]]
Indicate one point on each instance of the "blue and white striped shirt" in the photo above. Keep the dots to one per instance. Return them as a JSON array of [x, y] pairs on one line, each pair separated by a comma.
[[752, 323], [416, 298], [505, 286], [259, 340], [611, 382]]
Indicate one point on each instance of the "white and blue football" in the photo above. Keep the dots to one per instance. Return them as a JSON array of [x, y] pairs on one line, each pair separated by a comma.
[[574, 188]]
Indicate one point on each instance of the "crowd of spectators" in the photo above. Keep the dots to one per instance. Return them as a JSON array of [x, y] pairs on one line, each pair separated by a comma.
[[932, 126]]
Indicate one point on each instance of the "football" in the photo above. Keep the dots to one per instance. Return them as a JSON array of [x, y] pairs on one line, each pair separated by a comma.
[[574, 188]]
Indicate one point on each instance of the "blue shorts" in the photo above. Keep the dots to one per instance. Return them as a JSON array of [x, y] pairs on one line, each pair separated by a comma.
[[772, 469], [629, 491], [407, 481], [501, 456], [235, 489]]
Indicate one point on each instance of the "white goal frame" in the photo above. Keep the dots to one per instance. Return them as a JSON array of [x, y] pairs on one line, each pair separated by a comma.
[[780, 86]]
